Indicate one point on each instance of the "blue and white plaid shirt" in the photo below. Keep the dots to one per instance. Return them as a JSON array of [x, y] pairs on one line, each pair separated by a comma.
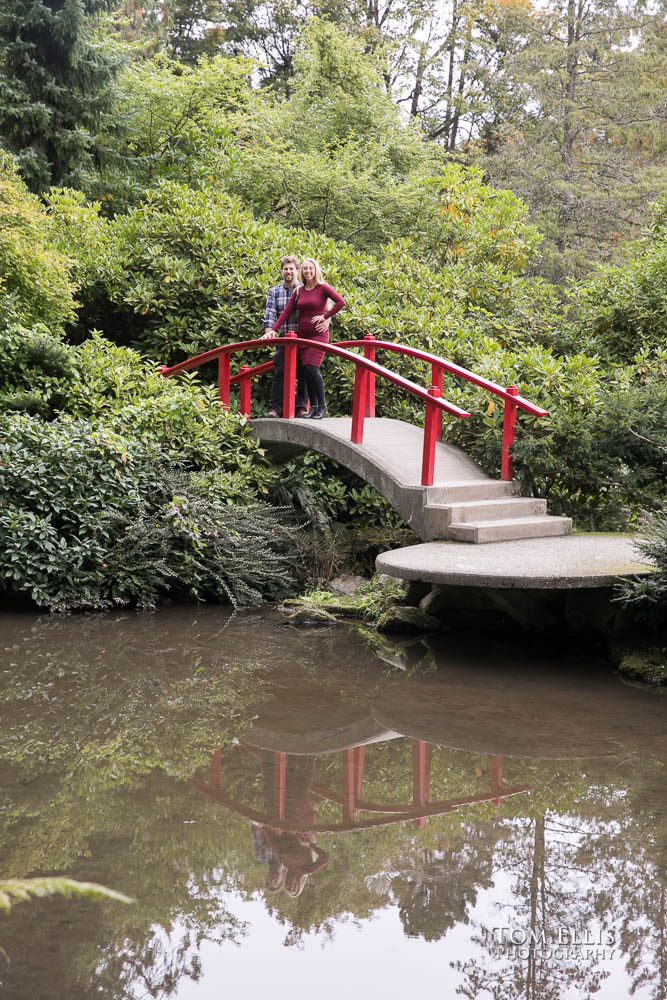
[[276, 301]]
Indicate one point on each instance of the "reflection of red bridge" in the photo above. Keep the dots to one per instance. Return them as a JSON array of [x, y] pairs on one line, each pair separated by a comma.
[[350, 796]]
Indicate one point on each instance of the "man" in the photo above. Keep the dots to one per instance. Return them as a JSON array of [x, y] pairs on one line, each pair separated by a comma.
[[276, 301]]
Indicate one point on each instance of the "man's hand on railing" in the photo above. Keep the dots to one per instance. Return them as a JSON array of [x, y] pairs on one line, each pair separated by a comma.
[[269, 335]]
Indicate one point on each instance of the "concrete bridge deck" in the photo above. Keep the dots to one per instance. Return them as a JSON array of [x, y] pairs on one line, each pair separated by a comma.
[[463, 503]]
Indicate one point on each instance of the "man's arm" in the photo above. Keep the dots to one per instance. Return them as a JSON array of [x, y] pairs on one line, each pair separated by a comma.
[[270, 314]]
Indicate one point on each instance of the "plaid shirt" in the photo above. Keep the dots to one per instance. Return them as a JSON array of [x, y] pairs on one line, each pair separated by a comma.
[[276, 301]]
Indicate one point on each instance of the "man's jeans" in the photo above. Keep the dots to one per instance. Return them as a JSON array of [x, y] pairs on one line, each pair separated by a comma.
[[276, 398]]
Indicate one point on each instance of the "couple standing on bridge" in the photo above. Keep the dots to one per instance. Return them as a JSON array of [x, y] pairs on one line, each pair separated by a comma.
[[303, 303]]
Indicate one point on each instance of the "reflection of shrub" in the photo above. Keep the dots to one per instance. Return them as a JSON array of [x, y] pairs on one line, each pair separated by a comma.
[[90, 518]]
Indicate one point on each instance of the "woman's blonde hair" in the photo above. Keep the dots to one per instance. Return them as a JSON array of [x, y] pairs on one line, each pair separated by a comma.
[[319, 277]]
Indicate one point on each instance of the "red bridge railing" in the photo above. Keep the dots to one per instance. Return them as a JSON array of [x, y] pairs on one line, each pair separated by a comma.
[[366, 372]]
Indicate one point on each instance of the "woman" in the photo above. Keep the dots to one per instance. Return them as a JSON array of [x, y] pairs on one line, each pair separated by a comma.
[[311, 301]]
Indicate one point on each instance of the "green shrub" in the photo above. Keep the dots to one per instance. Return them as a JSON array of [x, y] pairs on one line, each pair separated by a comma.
[[35, 367], [35, 280], [90, 518], [623, 310], [325, 491], [187, 270], [604, 464], [650, 592], [180, 416]]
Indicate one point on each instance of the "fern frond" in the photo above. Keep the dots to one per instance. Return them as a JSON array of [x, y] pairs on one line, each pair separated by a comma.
[[13, 891]]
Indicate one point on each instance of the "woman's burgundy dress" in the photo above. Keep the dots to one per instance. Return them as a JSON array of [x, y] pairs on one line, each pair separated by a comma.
[[311, 302]]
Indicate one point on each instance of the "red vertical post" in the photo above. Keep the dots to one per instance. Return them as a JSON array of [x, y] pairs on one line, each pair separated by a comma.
[[349, 785], [370, 353], [359, 403], [246, 391], [421, 776], [289, 384], [279, 785], [361, 759], [436, 381], [223, 379], [430, 437], [509, 429], [215, 773], [497, 762]]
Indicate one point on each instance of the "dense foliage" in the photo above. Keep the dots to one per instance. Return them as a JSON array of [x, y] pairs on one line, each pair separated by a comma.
[[188, 268], [650, 592], [183, 198], [117, 486], [623, 309], [561, 103], [55, 85], [35, 283], [92, 518]]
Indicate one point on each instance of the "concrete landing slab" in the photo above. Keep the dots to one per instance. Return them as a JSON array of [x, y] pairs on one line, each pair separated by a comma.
[[561, 563]]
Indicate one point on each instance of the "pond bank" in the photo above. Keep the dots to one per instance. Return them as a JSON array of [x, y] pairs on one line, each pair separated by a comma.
[[388, 605]]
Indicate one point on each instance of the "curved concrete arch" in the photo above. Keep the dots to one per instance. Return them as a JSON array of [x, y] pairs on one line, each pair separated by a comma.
[[390, 459]]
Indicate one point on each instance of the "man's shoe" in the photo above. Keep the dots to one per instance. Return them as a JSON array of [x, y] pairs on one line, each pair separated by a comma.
[[301, 412], [320, 413], [273, 413]]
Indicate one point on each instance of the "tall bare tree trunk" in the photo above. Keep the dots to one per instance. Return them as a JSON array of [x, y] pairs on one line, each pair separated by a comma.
[[574, 15], [456, 118]]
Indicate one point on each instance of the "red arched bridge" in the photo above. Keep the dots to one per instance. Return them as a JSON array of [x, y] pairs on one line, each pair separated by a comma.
[[435, 487]]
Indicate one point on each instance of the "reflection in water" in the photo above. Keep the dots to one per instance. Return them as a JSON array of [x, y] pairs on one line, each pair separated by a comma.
[[240, 778]]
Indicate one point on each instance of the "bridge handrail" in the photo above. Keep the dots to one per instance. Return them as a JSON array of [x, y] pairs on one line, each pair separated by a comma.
[[448, 366], [366, 371], [358, 360]]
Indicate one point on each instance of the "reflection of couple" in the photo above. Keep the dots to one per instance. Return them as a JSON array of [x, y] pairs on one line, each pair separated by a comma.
[[291, 856], [305, 304]]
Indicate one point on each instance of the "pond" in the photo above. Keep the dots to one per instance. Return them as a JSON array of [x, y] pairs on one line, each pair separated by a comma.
[[326, 812]]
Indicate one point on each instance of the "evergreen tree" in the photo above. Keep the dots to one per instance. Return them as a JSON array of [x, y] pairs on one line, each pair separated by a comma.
[[584, 144], [54, 87]]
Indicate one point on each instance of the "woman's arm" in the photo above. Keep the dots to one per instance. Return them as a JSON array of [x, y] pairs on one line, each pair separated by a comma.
[[338, 301], [287, 312]]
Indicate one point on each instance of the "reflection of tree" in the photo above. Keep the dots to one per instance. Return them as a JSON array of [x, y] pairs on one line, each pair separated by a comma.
[[582, 875], [643, 935], [628, 857], [437, 887], [154, 838], [548, 895]]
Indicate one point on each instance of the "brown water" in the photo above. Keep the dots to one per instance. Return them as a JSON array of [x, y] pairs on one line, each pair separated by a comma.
[[325, 814]]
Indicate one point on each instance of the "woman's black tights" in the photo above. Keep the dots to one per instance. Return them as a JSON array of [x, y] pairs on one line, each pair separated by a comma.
[[315, 386]]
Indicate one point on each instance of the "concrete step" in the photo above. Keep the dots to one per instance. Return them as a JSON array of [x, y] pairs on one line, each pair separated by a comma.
[[505, 530], [472, 489], [501, 508]]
